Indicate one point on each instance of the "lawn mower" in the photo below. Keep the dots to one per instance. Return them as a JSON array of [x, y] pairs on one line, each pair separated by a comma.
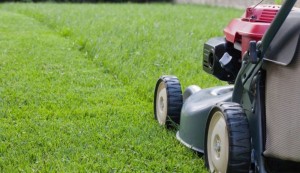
[[253, 125]]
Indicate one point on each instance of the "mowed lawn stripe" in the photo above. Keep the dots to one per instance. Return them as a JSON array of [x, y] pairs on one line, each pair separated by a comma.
[[61, 112], [47, 95]]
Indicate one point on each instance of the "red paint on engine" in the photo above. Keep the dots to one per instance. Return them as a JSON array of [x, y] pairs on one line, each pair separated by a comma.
[[251, 26]]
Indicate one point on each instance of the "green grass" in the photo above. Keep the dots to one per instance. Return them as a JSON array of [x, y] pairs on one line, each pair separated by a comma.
[[77, 83]]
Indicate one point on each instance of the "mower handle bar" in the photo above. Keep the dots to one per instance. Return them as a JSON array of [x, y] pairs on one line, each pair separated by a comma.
[[276, 24]]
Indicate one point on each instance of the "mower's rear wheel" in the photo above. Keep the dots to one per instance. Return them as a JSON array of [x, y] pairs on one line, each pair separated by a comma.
[[228, 139], [167, 101]]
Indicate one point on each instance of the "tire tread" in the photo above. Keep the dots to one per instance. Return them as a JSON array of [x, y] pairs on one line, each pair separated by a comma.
[[239, 137], [174, 99]]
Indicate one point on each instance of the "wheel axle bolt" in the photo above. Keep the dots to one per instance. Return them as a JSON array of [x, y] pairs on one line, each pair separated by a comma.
[[217, 146]]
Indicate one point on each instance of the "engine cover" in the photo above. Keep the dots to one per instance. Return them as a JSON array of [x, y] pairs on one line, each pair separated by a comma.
[[251, 26], [240, 31]]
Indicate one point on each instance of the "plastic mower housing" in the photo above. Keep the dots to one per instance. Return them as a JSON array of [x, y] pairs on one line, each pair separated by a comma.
[[239, 32]]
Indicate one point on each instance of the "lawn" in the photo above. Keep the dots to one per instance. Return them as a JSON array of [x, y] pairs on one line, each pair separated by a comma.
[[77, 83]]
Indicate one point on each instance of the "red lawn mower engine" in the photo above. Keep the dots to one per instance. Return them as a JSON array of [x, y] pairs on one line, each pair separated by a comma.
[[222, 56]]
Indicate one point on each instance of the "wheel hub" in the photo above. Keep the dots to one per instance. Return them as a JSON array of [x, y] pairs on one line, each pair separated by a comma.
[[161, 104], [217, 145]]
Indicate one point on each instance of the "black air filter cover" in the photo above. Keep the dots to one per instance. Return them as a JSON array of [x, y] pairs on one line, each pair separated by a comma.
[[213, 51]]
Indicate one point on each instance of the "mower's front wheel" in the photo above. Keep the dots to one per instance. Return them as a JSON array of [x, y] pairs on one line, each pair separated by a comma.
[[167, 101], [228, 139]]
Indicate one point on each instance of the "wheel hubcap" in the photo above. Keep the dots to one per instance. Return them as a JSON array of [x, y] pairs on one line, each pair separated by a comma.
[[161, 104], [217, 144]]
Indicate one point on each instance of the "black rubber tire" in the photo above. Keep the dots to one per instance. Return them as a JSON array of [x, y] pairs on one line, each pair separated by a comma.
[[173, 100], [239, 149]]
